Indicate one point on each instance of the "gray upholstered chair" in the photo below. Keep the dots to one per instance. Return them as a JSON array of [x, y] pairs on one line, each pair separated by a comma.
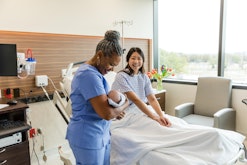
[[212, 106]]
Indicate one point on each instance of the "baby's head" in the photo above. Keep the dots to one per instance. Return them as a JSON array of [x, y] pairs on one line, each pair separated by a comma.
[[115, 96]]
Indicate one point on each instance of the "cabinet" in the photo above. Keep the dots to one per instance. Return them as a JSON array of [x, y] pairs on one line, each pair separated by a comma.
[[18, 153], [161, 97]]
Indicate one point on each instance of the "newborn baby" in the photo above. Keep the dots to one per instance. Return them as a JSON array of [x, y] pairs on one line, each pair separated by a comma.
[[116, 98]]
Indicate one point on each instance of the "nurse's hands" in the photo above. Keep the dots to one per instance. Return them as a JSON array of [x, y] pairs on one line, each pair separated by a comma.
[[121, 115], [124, 106]]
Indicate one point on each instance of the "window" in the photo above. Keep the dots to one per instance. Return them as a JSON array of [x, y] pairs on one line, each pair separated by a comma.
[[235, 66], [188, 38]]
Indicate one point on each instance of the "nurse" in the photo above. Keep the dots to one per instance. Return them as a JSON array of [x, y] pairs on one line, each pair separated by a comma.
[[88, 132]]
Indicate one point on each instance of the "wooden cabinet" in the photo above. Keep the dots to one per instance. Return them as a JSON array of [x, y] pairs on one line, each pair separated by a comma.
[[17, 153], [161, 97]]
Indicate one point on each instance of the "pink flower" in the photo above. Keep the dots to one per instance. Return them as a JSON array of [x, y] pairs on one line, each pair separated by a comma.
[[164, 72]]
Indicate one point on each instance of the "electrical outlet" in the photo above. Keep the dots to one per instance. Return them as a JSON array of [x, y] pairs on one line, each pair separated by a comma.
[[16, 92], [41, 80]]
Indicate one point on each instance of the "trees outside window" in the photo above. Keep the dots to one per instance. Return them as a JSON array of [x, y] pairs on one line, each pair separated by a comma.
[[189, 34]]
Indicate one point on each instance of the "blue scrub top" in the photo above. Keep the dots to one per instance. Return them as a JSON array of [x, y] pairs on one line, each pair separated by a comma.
[[86, 128]]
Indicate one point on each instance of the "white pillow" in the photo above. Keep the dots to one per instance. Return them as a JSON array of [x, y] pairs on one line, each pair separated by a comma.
[[110, 77]]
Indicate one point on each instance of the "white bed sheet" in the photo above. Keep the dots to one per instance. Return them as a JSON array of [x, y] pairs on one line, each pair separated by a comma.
[[136, 139]]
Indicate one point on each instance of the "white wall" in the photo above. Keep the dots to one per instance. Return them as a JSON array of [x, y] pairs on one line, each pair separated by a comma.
[[84, 17], [181, 93]]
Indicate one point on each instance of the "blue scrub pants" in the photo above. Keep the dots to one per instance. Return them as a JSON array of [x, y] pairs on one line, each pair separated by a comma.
[[92, 156]]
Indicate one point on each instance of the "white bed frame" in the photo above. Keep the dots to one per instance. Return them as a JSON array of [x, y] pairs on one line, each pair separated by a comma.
[[63, 104]]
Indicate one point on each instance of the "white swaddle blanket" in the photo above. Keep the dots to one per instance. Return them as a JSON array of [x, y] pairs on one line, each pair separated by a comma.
[[114, 104]]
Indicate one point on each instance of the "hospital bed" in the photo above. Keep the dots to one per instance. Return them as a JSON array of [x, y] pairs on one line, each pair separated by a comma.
[[61, 98], [133, 145]]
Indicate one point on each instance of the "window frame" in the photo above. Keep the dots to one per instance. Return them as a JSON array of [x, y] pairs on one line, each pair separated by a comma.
[[221, 45]]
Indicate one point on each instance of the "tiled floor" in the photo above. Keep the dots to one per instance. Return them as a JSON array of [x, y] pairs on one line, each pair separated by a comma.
[[44, 115]]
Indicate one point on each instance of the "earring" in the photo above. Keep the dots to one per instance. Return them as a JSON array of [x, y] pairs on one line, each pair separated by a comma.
[[98, 61]]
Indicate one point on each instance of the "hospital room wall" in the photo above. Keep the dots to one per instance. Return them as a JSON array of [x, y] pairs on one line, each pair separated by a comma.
[[181, 93], [82, 17], [67, 23]]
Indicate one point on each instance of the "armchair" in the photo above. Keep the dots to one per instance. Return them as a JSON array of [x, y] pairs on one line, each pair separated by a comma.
[[212, 105]]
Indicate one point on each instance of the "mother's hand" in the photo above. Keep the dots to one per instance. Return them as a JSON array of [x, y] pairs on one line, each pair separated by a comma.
[[162, 121]]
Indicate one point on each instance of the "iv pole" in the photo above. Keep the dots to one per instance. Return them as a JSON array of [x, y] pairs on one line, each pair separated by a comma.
[[122, 22]]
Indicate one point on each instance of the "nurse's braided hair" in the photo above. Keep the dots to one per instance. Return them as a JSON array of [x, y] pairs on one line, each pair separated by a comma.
[[110, 44]]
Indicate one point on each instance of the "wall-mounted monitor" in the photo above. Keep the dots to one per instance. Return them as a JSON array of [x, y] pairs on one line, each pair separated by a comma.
[[8, 60]]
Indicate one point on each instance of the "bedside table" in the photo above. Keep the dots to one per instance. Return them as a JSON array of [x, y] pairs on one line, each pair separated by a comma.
[[14, 149], [161, 97]]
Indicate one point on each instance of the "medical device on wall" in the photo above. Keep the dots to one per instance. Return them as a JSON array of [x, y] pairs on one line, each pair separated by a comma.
[[21, 62], [26, 64], [30, 62]]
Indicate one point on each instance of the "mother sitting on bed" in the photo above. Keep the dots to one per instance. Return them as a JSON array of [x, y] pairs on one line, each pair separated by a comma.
[[136, 85], [138, 139]]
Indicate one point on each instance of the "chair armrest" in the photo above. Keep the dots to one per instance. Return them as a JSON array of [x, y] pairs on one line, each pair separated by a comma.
[[225, 119], [184, 110]]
